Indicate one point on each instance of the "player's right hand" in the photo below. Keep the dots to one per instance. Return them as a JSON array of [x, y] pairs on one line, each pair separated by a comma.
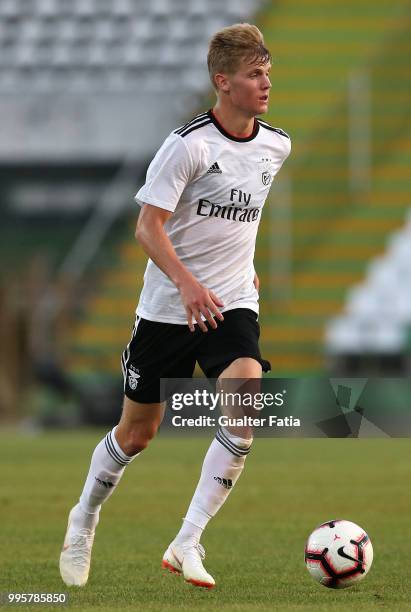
[[197, 301]]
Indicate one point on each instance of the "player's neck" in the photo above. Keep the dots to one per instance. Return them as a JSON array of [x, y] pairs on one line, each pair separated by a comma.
[[236, 124]]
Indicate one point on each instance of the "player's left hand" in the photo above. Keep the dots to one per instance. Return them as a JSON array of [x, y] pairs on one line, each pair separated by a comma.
[[256, 281]]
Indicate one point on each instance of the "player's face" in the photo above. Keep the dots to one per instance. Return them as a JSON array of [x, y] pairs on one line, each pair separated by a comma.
[[250, 87]]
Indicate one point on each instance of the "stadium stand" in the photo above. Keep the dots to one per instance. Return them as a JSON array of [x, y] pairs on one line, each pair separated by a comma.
[[377, 317], [97, 44]]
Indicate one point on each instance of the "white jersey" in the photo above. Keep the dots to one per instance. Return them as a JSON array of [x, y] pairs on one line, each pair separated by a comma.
[[215, 184]]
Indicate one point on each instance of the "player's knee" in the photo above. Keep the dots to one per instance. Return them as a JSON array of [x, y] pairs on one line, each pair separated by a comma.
[[243, 367], [139, 438]]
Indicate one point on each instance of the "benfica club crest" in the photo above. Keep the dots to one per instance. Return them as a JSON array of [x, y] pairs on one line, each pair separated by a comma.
[[266, 167], [133, 377], [266, 178]]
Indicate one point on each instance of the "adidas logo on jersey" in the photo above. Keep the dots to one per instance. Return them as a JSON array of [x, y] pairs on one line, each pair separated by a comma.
[[226, 482], [215, 169]]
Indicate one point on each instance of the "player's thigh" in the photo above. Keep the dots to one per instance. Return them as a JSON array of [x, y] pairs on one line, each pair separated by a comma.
[[233, 347], [137, 413], [156, 351]]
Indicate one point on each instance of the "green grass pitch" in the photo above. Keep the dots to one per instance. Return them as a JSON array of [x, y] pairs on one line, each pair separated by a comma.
[[254, 545]]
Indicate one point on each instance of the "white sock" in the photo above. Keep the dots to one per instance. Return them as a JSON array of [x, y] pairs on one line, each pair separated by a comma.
[[107, 466], [189, 533], [221, 469]]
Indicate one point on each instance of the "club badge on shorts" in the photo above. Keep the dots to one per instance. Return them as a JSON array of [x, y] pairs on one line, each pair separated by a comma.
[[133, 376]]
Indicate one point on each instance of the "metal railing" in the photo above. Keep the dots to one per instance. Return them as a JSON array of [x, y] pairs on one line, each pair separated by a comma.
[[114, 201]]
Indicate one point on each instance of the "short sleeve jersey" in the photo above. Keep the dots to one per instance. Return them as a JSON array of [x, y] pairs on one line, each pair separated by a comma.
[[215, 184]]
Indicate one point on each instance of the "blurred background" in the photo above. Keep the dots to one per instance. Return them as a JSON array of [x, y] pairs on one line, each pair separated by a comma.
[[89, 89]]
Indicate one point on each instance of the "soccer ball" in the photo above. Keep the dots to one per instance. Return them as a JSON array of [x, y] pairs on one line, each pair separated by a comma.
[[338, 554]]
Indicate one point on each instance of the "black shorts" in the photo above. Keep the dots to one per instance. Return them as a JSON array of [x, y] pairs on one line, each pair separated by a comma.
[[167, 350]]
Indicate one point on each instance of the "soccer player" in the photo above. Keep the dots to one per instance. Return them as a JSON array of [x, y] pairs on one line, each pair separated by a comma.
[[200, 210]]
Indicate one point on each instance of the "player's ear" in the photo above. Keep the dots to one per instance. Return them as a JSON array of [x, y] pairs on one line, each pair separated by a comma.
[[222, 82]]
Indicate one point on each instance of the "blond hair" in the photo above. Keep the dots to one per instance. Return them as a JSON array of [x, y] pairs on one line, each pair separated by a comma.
[[229, 46]]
